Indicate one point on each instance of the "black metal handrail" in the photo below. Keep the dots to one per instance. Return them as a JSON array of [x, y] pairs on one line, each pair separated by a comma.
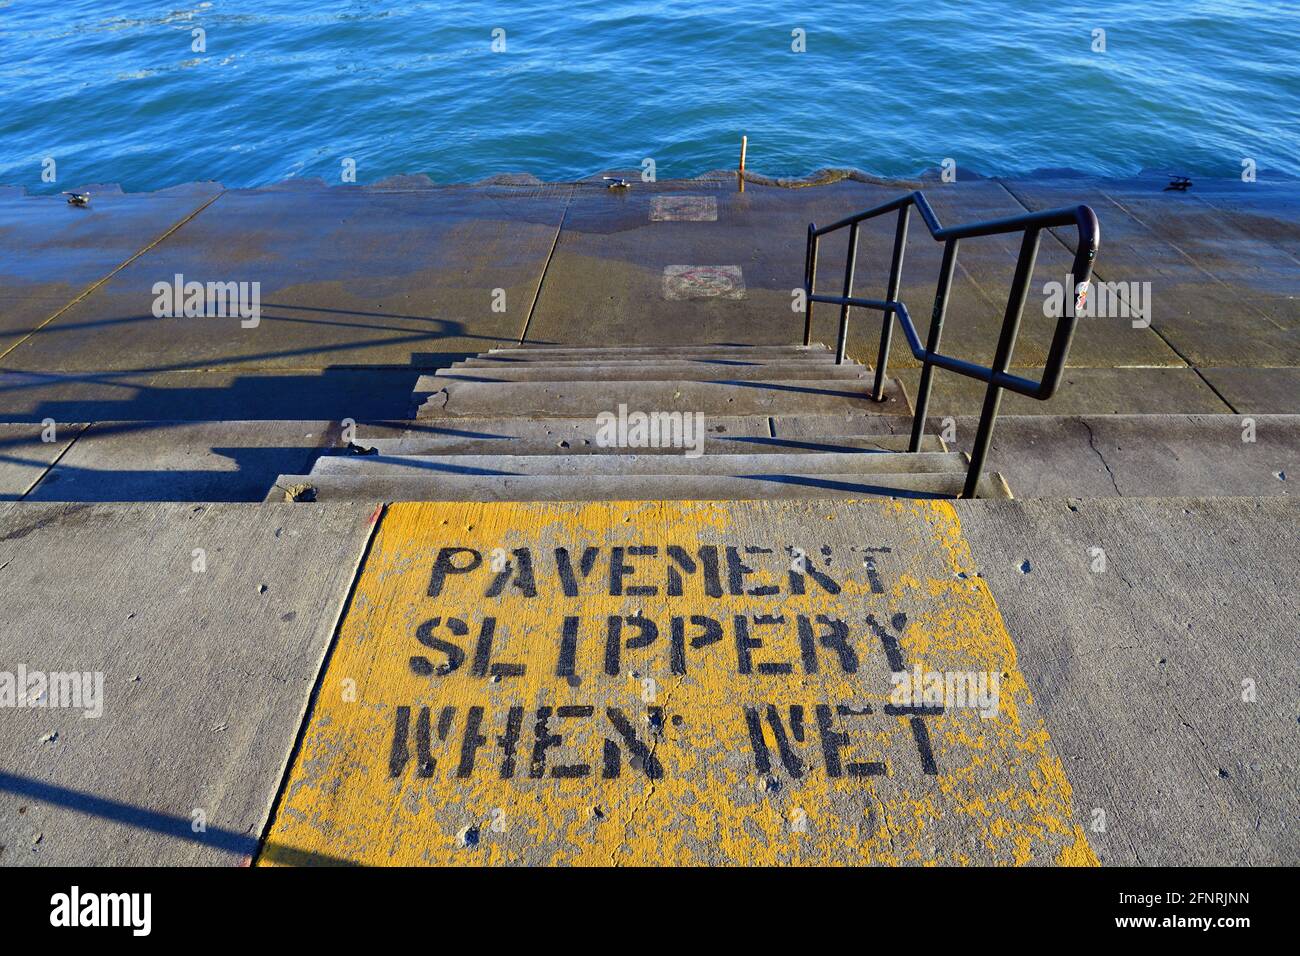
[[996, 375]]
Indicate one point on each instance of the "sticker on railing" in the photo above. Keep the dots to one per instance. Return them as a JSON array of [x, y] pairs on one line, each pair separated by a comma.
[[683, 682]]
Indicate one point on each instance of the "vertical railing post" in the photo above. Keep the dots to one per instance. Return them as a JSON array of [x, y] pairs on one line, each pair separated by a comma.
[[849, 265], [932, 342], [809, 282], [891, 295], [1002, 358]]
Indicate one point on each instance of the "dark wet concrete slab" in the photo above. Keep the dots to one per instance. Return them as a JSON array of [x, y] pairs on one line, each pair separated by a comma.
[[609, 281], [986, 268], [1222, 285], [614, 260], [348, 277], [52, 252], [361, 289]]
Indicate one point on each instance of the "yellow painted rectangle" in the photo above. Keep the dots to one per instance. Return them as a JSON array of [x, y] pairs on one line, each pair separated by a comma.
[[492, 699]]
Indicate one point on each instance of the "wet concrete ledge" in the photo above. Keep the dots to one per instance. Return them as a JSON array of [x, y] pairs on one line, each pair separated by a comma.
[[364, 288]]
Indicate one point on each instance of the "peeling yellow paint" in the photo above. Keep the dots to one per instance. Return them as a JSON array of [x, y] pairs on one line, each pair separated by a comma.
[[997, 792]]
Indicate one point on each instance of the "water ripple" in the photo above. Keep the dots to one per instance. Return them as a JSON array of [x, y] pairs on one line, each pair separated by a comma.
[[114, 92]]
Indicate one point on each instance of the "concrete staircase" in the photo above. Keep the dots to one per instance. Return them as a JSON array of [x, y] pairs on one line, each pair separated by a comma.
[[536, 425]]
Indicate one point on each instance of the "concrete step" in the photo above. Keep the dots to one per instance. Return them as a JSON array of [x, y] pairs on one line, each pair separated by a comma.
[[653, 371], [541, 428], [616, 357], [452, 399], [571, 353], [559, 443], [432, 487], [838, 463]]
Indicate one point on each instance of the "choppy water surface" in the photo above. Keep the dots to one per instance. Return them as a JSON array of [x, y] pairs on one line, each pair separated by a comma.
[[117, 92]]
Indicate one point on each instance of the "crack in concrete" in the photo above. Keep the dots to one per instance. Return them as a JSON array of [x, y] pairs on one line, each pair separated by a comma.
[[1092, 443], [1223, 807], [655, 738]]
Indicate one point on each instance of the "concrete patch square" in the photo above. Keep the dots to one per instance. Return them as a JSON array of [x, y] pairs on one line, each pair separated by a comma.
[[684, 209], [703, 282], [605, 283]]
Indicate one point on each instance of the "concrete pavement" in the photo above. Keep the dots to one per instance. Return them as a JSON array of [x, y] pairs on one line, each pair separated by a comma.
[[1166, 672], [199, 631], [1041, 456], [1125, 666], [365, 281]]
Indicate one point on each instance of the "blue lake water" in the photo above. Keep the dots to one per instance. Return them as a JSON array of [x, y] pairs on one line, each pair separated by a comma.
[[115, 91]]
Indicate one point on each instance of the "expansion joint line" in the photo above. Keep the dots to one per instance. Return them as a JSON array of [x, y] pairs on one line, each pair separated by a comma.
[[372, 533], [547, 266], [85, 427]]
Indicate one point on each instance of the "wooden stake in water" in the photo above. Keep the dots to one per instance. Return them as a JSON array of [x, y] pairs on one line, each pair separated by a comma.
[[744, 145]]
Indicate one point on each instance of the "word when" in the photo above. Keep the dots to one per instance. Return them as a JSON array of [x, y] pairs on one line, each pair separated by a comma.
[[418, 744]]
